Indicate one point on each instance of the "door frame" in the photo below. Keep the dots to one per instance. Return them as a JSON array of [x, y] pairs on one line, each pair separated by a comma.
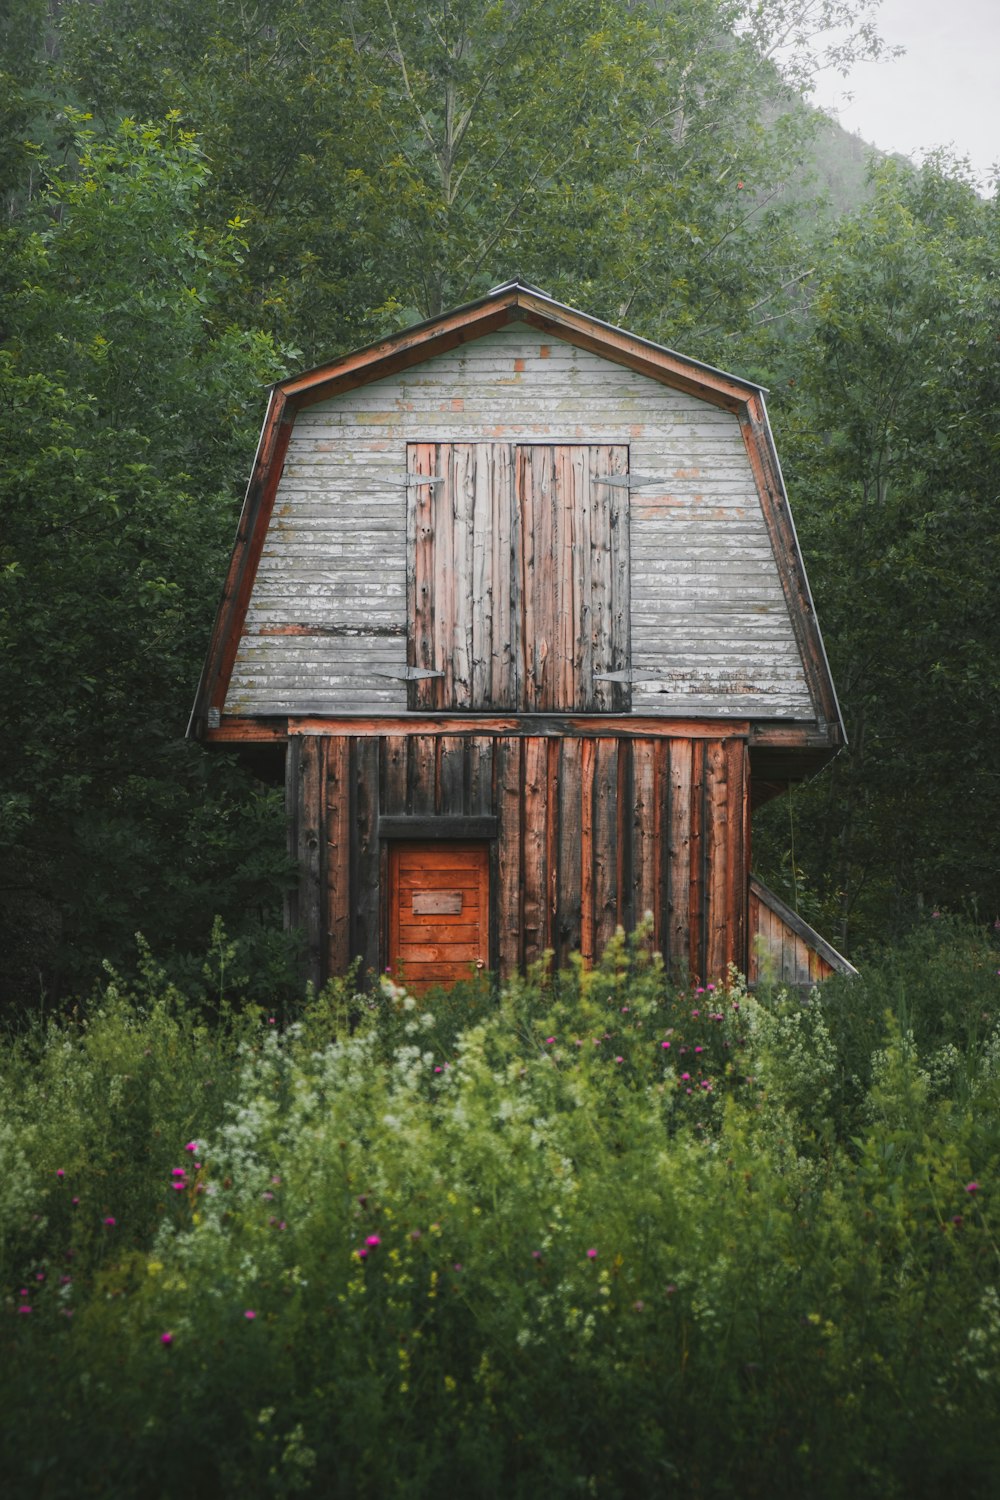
[[392, 846]]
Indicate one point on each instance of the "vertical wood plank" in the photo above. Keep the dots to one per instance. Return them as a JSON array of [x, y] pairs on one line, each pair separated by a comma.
[[644, 863], [605, 841], [753, 927], [696, 902], [679, 903], [509, 808], [569, 863], [533, 858], [739, 852], [450, 799], [552, 807], [479, 775], [717, 848], [366, 934], [588, 755], [311, 850], [395, 759], [661, 835], [617, 612], [487, 520], [293, 814], [422, 775], [456, 634], [338, 855], [506, 542], [422, 503]]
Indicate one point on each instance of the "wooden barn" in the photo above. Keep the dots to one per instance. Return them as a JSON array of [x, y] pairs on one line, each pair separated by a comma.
[[519, 596]]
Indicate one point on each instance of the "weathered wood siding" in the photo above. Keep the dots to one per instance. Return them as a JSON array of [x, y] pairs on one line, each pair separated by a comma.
[[784, 949], [326, 630], [586, 833], [518, 576]]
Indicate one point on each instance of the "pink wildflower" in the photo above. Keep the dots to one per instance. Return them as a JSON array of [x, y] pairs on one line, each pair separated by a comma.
[[24, 1308], [550, 1041], [60, 1173], [665, 1046], [178, 1171], [110, 1223], [972, 1187], [166, 1338], [591, 1254], [619, 1059], [250, 1314], [191, 1146], [373, 1241]]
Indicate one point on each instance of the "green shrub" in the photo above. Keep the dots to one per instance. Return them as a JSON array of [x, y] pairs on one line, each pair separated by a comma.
[[611, 1238]]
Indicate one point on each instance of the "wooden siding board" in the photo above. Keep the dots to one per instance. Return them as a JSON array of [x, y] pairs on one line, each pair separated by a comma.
[[510, 885], [696, 902], [679, 904], [535, 848], [366, 864], [718, 855], [337, 896], [587, 911], [451, 799], [645, 895], [703, 524], [605, 840], [311, 856], [569, 880]]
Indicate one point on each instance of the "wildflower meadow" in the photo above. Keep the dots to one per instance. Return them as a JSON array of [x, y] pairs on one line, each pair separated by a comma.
[[585, 1234]]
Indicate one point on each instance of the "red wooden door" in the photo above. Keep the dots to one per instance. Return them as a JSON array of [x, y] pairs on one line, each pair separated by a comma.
[[439, 900]]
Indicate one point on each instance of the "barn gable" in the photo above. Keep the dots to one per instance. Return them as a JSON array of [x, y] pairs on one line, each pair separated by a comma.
[[319, 612]]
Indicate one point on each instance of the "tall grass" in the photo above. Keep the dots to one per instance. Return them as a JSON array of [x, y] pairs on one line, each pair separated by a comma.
[[590, 1235]]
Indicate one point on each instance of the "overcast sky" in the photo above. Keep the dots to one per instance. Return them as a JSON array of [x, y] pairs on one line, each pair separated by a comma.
[[944, 92]]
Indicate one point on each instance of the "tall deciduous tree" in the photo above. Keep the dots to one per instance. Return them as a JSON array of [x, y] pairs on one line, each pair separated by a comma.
[[394, 158], [124, 413], [894, 461]]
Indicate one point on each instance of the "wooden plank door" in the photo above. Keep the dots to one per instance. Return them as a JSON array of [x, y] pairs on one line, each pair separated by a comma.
[[439, 902]]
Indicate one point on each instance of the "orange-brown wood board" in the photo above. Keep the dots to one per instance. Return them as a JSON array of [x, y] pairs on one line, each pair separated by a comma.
[[580, 835]]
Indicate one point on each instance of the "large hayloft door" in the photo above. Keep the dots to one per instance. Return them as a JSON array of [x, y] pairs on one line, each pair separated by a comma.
[[439, 899], [518, 578]]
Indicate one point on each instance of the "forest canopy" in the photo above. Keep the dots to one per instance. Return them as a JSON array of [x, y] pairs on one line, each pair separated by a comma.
[[201, 195]]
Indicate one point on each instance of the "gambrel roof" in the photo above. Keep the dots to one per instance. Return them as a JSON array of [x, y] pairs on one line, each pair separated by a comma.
[[813, 729]]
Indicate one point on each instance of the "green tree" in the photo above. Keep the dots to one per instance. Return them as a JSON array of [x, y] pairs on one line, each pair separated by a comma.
[[890, 440], [126, 409], [395, 158]]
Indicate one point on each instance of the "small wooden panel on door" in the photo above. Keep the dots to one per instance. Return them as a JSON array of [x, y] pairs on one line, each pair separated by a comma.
[[439, 901]]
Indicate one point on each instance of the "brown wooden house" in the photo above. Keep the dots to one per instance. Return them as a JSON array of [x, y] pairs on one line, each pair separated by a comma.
[[521, 596]]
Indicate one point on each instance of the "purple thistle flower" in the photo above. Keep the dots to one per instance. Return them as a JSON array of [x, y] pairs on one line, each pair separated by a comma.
[[166, 1339], [591, 1254]]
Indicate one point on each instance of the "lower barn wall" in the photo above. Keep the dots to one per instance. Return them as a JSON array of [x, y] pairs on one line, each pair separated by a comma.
[[587, 832]]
